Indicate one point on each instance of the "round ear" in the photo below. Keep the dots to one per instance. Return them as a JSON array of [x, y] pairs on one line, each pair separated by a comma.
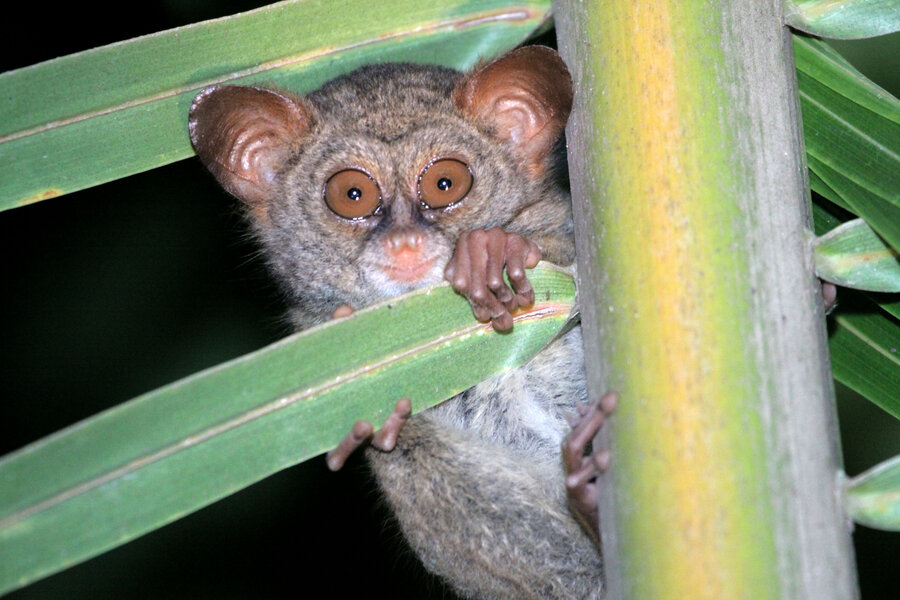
[[244, 135], [525, 96]]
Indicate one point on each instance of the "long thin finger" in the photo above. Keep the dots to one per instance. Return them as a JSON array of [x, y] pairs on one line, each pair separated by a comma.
[[578, 478], [358, 435], [496, 260], [517, 249], [581, 435], [386, 437], [609, 401], [602, 459], [460, 266], [478, 258]]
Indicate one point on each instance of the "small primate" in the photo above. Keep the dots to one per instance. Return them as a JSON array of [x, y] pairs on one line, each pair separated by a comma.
[[397, 176]]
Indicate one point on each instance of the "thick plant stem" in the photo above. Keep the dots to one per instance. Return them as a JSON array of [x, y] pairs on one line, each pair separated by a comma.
[[699, 303]]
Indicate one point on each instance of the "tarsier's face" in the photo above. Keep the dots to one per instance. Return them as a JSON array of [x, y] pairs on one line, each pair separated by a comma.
[[360, 190], [389, 190]]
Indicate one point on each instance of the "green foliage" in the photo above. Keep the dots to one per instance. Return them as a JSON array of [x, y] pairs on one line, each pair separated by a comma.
[[873, 497], [865, 352], [163, 455], [95, 116], [847, 19], [864, 338], [852, 255], [852, 132]]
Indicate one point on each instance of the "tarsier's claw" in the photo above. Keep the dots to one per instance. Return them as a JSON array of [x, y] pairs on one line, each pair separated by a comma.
[[476, 271], [362, 432]]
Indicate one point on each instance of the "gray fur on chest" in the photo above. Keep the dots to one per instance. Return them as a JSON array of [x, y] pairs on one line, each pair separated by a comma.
[[527, 409]]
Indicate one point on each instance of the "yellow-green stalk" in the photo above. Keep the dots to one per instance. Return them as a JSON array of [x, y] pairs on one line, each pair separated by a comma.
[[700, 305]]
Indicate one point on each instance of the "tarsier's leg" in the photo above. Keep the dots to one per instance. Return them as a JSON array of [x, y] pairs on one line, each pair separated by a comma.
[[492, 522], [582, 467]]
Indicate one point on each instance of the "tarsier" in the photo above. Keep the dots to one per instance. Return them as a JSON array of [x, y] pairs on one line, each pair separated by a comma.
[[397, 176]]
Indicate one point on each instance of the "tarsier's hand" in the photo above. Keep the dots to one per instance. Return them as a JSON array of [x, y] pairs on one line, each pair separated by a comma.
[[581, 467], [476, 272]]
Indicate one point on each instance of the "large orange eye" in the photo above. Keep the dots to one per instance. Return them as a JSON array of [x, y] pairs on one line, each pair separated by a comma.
[[444, 182], [352, 194]]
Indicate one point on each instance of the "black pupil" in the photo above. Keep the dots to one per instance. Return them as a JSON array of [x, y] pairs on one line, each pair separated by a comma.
[[354, 193], [444, 184]]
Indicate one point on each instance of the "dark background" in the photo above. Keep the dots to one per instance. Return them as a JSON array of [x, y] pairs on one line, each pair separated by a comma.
[[116, 290]]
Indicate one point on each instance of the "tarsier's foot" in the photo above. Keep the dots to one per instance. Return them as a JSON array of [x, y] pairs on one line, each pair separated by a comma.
[[476, 271], [363, 433], [582, 468]]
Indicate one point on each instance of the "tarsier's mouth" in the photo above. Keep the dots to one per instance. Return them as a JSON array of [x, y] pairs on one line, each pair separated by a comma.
[[408, 271]]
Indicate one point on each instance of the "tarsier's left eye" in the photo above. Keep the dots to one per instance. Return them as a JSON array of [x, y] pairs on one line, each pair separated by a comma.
[[444, 182], [352, 194]]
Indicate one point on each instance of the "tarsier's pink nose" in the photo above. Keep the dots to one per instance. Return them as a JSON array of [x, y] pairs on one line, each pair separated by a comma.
[[406, 259]]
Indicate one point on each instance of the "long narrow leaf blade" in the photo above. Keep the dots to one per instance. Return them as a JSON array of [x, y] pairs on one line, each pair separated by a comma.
[[852, 133], [873, 497], [865, 351], [843, 19], [163, 455], [852, 255], [95, 116], [883, 217]]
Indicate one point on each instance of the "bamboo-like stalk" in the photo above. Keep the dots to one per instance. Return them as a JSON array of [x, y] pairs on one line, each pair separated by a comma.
[[700, 305]]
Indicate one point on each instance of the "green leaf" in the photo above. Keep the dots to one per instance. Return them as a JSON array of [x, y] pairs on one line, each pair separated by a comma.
[[883, 217], [95, 116], [163, 455], [865, 350], [864, 333], [891, 305], [843, 19], [820, 187], [852, 133], [873, 497], [852, 255]]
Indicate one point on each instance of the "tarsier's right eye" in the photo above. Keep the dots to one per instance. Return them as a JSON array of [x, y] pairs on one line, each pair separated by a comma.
[[352, 194]]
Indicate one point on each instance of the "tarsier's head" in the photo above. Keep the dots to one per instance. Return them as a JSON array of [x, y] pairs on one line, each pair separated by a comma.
[[358, 191]]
